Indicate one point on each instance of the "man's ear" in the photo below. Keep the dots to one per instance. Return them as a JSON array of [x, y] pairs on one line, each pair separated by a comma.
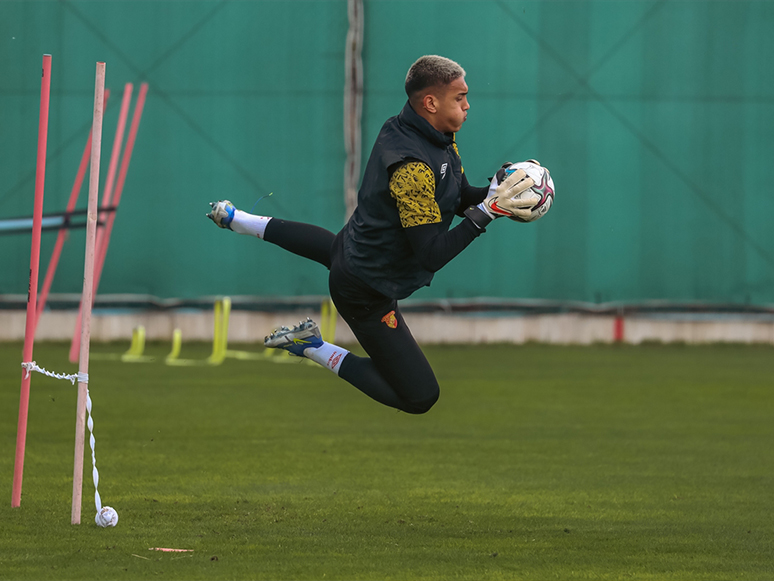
[[430, 103]]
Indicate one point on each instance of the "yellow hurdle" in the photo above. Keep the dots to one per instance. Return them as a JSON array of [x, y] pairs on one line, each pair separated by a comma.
[[137, 347], [328, 318], [177, 343], [132, 355], [231, 353], [219, 338]]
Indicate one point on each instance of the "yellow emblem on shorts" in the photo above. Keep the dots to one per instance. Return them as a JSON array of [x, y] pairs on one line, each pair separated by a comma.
[[390, 320]]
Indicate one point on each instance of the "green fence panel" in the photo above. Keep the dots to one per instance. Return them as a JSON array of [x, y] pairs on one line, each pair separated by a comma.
[[654, 117]]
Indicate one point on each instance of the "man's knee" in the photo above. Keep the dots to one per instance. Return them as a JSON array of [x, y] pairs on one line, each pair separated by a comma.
[[423, 406]]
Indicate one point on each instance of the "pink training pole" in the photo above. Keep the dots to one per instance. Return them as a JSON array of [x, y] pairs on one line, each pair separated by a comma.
[[127, 157], [104, 238], [32, 295], [88, 286], [118, 139], [618, 329], [63, 232]]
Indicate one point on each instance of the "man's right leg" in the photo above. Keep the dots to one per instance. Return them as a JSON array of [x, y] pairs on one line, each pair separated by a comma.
[[396, 374], [304, 240]]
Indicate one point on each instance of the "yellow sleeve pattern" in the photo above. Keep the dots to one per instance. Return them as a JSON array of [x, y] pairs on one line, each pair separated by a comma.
[[457, 151], [413, 187]]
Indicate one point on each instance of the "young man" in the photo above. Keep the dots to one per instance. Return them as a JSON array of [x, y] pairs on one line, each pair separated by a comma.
[[397, 237]]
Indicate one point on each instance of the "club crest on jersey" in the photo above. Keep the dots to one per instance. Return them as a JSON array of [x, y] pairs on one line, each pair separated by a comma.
[[390, 320], [443, 170]]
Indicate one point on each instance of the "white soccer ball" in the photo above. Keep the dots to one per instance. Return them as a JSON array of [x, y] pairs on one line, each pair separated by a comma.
[[543, 188], [107, 517]]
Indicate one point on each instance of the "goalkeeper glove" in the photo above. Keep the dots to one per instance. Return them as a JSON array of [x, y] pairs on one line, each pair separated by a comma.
[[222, 213], [504, 197]]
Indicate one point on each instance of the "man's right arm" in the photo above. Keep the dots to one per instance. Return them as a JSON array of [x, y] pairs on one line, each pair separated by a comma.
[[413, 187]]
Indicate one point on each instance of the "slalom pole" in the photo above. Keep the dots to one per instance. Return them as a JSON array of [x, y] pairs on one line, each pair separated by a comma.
[[63, 232], [32, 295], [618, 327], [102, 249], [107, 195], [86, 299]]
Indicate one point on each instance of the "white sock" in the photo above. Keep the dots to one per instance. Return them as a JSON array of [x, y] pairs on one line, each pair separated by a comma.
[[244, 223], [328, 355]]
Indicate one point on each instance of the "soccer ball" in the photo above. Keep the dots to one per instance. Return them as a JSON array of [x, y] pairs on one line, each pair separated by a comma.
[[107, 517], [544, 188]]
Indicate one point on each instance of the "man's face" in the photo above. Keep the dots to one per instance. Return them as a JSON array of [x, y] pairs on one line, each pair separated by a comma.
[[452, 107]]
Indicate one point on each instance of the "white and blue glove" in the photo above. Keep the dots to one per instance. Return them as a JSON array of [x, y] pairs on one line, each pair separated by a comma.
[[222, 213]]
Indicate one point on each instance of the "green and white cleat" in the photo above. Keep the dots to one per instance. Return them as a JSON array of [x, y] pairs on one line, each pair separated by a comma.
[[222, 213], [304, 335]]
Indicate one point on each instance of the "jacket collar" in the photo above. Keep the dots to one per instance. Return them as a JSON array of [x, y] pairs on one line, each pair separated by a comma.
[[410, 117]]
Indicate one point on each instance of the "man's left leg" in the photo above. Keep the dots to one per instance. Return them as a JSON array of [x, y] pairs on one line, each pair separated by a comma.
[[396, 373]]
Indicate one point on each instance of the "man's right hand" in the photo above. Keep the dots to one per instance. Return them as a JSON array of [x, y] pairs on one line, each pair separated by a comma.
[[504, 199], [222, 213]]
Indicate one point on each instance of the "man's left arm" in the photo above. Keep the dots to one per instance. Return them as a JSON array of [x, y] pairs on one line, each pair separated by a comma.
[[471, 195], [435, 246]]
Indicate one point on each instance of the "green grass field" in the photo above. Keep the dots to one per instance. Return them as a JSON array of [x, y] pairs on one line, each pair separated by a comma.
[[538, 462]]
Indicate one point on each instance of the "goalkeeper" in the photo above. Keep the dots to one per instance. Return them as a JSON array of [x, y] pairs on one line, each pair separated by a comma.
[[397, 237]]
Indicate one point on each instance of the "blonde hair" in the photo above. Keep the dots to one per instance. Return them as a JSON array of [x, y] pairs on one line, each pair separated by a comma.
[[431, 71]]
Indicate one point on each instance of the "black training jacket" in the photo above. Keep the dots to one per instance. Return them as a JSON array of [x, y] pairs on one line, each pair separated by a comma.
[[376, 247]]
